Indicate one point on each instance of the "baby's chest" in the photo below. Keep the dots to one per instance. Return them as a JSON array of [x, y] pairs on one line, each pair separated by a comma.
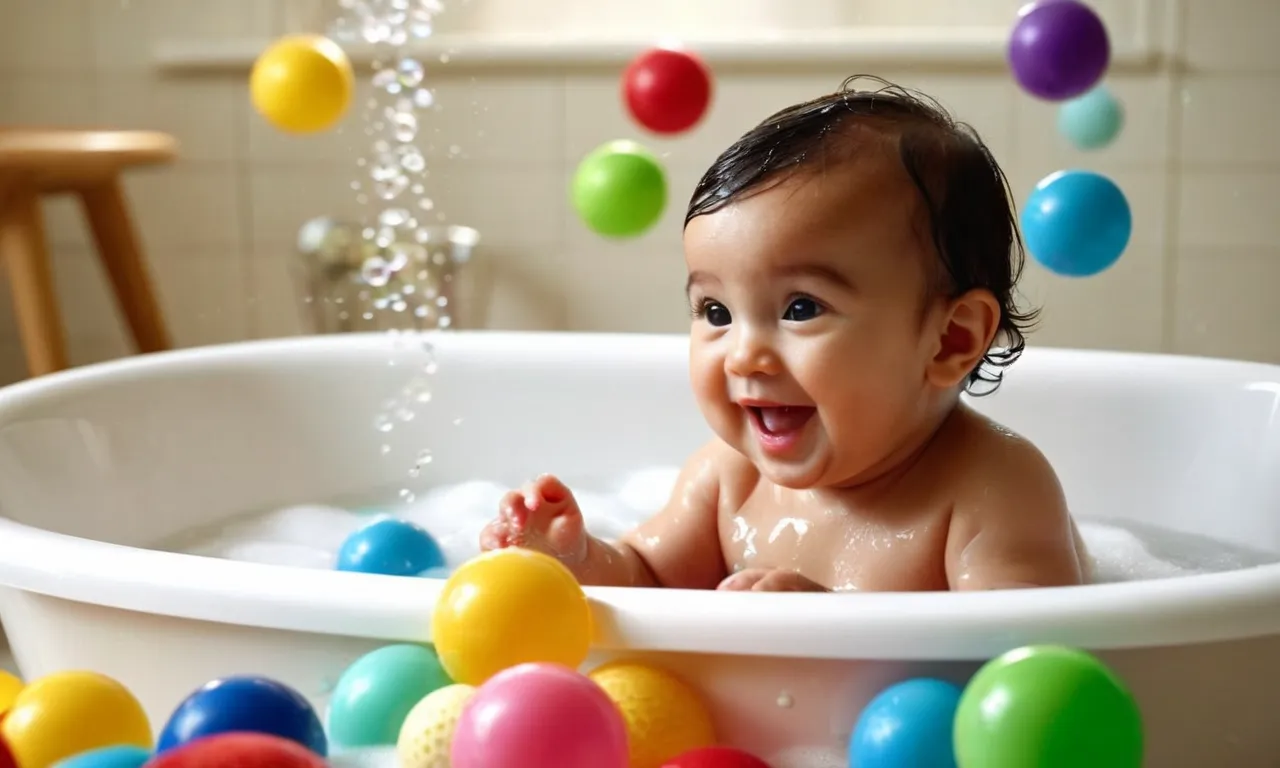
[[840, 548]]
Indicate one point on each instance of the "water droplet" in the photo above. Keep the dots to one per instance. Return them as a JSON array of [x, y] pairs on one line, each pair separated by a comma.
[[424, 98], [385, 449], [406, 495], [457, 422], [393, 217], [444, 58], [375, 271], [426, 204], [409, 73], [424, 456]]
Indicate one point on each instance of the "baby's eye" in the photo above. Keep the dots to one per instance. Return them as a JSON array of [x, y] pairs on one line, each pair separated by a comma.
[[713, 312], [802, 309], [717, 314]]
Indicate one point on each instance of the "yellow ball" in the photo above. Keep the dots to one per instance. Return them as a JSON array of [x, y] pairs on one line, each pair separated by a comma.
[[67, 713], [664, 716], [427, 732], [509, 607], [302, 83], [10, 687]]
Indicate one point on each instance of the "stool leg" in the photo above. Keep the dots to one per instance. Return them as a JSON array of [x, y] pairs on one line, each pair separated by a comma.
[[35, 303], [108, 214]]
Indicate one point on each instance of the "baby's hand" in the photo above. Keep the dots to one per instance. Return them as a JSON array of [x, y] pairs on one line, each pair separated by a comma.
[[542, 516], [769, 580]]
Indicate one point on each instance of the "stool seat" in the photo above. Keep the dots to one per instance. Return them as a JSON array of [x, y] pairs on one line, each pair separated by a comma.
[[35, 162], [62, 160]]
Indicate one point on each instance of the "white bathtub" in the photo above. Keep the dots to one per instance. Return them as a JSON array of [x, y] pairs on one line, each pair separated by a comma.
[[98, 463]]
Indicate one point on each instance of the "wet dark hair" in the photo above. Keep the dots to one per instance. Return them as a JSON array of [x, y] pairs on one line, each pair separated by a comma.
[[971, 216]]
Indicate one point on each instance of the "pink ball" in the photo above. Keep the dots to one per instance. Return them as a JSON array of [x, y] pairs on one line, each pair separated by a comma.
[[540, 716]]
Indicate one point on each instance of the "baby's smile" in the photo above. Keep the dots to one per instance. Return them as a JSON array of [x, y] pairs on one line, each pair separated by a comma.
[[778, 427]]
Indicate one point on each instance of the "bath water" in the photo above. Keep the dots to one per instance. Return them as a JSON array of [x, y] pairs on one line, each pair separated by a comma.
[[309, 535]]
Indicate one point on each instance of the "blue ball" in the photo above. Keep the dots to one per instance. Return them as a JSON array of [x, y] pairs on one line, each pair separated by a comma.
[[908, 725], [124, 756], [1091, 121], [391, 547], [246, 703], [1076, 223]]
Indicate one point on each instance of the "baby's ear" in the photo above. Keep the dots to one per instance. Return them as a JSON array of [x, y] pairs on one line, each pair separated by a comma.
[[967, 328]]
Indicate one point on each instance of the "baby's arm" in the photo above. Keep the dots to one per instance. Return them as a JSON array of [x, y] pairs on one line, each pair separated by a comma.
[[1010, 526], [677, 547]]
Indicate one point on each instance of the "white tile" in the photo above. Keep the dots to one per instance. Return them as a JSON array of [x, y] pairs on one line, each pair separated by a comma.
[[124, 35], [60, 101], [203, 115], [204, 296], [274, 296], [1121, 308], [1143, 139], [628, 286], [1233, 209], [1226, 303], [596, 114], [1238, 37], [178, 207], [1229, 120], [42, 37], [505, 205]]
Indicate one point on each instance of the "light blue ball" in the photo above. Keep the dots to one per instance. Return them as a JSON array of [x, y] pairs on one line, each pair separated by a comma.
[[908, 725], [391, 547], [1076, 223], [123, 756], [1091, 121]]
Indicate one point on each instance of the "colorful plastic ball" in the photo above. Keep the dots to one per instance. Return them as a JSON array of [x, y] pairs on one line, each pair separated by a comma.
[[664, 716], [391, 547], [1059, 49], [907, 724], [715, 757], [619, 189], [66, 713], [1076, 223], [666, 91], [108, 757], [507, 607], [1091, 121], [427, 732], [242, 750], [245, 704], [540, 716], [302, 83], [10, 687], [1050, 707], [376, 693]]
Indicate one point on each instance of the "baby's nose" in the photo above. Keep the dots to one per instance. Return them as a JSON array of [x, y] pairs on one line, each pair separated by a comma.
[[752, 354]]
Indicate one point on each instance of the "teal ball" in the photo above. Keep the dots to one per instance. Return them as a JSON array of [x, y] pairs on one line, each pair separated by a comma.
[[374, 695], [1091, 121]]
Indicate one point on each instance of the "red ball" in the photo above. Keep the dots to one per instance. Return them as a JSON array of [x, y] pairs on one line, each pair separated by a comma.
[[239, 750], [715, 757], [666, 91], [6, 757]]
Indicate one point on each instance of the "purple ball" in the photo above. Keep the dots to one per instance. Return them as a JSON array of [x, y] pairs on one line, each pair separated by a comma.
[[1059, 49]]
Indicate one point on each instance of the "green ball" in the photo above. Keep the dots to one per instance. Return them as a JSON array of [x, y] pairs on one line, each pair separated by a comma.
[[1049, 707], [375, 694], [619, 189], [1091, 121]]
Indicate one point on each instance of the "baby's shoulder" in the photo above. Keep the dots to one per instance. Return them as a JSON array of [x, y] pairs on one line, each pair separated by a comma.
[[998, 463], [717, 465]]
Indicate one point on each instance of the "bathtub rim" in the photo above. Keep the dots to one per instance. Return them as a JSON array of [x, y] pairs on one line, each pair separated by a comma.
[[1174, 611]]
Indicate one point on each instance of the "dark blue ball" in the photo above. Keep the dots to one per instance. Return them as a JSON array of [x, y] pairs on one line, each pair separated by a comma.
[[246, 703], [1076, 223], [391, 547]]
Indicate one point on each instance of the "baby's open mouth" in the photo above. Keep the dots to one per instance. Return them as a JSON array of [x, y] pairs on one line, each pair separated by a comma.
[[781, 419]]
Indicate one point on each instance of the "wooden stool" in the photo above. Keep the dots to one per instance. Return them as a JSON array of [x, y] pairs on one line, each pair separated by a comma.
[[36, 162]]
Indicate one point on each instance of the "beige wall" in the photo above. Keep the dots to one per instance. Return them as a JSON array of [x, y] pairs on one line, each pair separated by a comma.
[[1199, 160]]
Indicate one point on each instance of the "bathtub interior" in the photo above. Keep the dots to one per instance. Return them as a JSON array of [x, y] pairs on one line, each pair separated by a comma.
[[138, 451]]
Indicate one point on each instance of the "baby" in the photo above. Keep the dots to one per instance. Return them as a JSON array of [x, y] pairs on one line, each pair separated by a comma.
[[851, 264]]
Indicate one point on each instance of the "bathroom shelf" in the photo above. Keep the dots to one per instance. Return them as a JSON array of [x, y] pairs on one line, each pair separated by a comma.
[[928, 47]]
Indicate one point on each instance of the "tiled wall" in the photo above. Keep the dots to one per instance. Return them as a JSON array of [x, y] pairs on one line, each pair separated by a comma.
[[1198, 160]]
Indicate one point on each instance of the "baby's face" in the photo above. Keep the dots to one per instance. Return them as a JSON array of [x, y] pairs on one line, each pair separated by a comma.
[[812, 329]]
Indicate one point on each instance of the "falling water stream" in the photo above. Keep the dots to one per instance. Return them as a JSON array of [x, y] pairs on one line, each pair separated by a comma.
[[405, 251]]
